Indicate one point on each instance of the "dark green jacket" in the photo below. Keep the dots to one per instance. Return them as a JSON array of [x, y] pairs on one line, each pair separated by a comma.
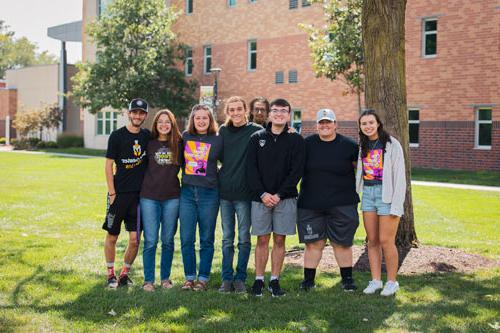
[[232, 176]]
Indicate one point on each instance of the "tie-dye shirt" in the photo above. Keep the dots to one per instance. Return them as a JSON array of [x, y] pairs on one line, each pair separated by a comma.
[[200, 155], [373, 164]]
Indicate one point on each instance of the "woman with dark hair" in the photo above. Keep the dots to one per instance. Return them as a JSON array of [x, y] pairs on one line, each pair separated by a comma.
[[381, 177], [159, 198], [199, 202]]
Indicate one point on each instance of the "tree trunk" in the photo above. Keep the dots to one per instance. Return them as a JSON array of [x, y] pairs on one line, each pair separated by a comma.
[[384, 51]]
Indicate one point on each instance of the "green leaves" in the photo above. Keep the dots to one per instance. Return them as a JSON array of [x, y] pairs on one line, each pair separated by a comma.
[[137, 55], [337, 47]]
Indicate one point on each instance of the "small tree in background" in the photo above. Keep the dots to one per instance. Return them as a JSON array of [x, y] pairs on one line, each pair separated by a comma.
[[137, 56], [35, 120], [337, 47]]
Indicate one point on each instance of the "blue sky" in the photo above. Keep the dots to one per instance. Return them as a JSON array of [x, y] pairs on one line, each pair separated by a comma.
[[31, 18]]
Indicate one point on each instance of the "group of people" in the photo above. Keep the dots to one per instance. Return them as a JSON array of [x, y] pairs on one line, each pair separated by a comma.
[[250, 167]]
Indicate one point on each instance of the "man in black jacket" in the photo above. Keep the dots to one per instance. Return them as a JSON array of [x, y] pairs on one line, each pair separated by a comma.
[[275, 163]]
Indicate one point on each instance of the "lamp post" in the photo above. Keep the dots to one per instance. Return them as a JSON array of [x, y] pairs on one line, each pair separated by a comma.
[[216, 71]]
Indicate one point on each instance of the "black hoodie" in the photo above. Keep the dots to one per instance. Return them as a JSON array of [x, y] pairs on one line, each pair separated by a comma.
[[275, 163]]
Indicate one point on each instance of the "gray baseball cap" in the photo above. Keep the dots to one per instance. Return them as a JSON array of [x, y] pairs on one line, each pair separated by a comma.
[[325, 114]]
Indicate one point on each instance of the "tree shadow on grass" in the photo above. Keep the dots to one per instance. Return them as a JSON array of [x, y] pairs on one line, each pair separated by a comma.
[[430, 302]]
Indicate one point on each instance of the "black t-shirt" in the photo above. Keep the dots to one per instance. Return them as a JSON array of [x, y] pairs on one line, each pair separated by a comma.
[[329, 178], [128, 150], [161, 181]]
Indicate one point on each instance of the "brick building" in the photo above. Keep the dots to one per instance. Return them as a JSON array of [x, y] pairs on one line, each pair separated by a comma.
[[452, 70]]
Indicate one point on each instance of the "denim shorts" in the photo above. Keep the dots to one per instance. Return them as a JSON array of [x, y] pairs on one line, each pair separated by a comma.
[[371, 201]]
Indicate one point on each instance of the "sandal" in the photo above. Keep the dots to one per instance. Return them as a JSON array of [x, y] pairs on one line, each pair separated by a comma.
[[188, 285], [167, 284], [200, 286], [148, 286]]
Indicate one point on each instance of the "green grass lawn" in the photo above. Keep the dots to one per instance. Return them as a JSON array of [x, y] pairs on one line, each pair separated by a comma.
[[487, 178], [52, 268]]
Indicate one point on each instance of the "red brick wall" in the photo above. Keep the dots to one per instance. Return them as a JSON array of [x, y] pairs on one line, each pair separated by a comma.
[[8, 106]]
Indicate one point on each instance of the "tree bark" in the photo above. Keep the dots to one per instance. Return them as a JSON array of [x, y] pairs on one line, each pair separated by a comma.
[[383, 26]]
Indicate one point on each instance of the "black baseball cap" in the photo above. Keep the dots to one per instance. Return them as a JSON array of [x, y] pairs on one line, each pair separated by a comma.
[[138, 104]]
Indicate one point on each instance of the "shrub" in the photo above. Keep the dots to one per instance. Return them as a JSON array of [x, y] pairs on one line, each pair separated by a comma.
[[3, 141], [26, 143], [46, 144], [68, 140]]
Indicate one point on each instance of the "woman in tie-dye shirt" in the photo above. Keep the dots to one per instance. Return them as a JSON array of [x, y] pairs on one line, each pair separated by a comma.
[[381, 178]]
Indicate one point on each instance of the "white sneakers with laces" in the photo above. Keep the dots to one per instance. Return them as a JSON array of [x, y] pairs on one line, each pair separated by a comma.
[[390, 288], [373, 286]]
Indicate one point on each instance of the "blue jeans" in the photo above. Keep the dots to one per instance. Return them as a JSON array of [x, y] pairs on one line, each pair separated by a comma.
[[228, 209], [155, 214], [199, 205]]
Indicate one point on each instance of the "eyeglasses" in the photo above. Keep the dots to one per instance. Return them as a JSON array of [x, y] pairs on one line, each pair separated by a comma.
[[282, 111], [257, 110]]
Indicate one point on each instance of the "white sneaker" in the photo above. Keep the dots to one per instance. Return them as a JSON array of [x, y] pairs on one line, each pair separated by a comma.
[[390, 288], [373, 286]]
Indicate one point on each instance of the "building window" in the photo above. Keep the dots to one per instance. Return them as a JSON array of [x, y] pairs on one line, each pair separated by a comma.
[[429, 37], [207, 59], [188, 65], [306, 3], [231, 3], [292, 76], [252, 55], [483, 128], [414, 125], [293, 4], [106, 122], [279, 77], [189, 6], [252, 1], [297, 120], [101, 6]]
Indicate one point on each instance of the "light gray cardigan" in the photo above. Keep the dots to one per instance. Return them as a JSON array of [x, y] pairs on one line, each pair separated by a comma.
[[393, 177]]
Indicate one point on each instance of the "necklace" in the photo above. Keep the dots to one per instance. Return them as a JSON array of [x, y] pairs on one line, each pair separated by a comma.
[[373, 145]]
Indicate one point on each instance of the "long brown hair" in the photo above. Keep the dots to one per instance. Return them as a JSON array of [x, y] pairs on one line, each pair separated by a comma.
[[383, 136], [234, 99], [173, 137], [212, 127]]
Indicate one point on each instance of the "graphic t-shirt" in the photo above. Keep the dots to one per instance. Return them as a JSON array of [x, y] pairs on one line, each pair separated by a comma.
[[329, 179], [161, 181], [200, 154], [373, 164], [128, 150]]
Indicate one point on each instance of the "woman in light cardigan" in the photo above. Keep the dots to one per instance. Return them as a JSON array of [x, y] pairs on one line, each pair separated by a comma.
[[381, 177]]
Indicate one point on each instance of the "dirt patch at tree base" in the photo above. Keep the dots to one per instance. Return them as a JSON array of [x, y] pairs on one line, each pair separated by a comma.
[[424, 259]]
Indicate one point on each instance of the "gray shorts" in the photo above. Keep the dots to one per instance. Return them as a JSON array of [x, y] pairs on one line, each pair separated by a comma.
[[338, 224], [281, 220]]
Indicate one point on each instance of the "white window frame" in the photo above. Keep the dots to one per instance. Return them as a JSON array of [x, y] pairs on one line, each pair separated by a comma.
[[477, 122], [186, 64], [114, 115], [206, 56], [249, 56], [187, 7], [426, 33], [417, 122], [293, 121]]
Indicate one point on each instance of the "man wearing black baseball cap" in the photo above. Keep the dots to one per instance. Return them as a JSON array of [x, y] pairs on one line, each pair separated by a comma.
[[127, 150]]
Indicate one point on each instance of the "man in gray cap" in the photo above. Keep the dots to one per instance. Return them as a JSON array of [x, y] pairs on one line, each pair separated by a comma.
[[127, 151], [327, 205]]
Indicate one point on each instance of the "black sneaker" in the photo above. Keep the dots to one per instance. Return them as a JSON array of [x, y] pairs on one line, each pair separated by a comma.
[[307, 285], [257, 288], [348, 284], [124, 281], [112, 282], [275, 289]]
